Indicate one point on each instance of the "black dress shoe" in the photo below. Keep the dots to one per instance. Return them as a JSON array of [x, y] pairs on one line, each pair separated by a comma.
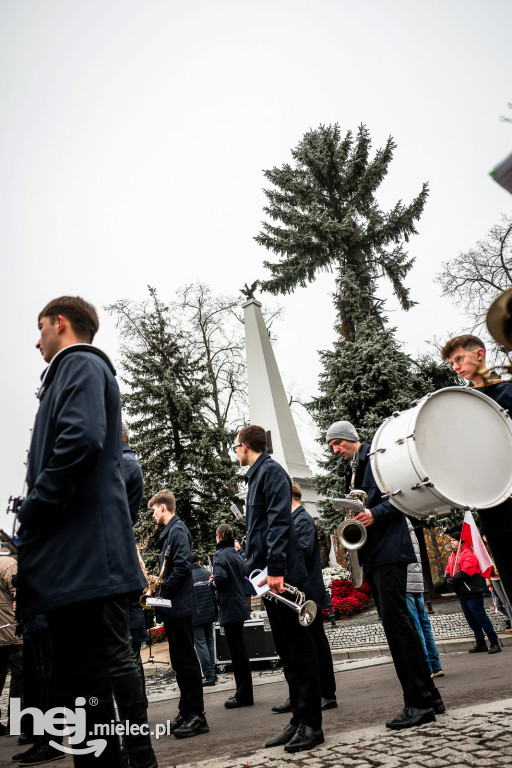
[[176, 723], [193, 727], [328, 703], [495, 648], [206, 682], [281, 709], [305, 738], [478, 648], [411, 716], [234, 703], [284, 737]]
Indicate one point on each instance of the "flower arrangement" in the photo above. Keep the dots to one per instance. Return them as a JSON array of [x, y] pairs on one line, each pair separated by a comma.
[[157, 634], [346, 599]]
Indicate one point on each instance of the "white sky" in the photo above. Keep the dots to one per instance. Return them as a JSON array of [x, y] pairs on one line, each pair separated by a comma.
[[133, 135]]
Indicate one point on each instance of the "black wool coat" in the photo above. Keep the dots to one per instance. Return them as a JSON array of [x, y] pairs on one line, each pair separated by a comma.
[[272, 540], [177, 584], [228, 575], [76, 541]]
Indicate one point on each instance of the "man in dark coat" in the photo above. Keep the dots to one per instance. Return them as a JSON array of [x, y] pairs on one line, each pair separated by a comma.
[[466, 356], [272, 543], [178, 586], [385, 556], [205, 613], [77, 558]]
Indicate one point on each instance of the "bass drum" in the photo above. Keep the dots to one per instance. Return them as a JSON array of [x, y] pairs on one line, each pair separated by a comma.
[[452, 450]]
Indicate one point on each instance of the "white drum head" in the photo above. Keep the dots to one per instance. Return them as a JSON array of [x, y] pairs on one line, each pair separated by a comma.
[[464, 442]]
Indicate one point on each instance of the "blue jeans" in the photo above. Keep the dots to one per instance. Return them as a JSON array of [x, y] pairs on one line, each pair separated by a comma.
[[478, 620], [416, 608], [203, 643]]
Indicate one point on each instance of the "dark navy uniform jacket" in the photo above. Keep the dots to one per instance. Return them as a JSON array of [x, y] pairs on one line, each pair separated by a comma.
[[228, 574], [205, 609], [497, 519], [271, 540], [76, 541], [134, 481], [308, 540], [177, 584], [388, 537]]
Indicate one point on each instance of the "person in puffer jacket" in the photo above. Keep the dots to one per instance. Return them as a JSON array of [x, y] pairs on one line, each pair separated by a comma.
[[464, 575]]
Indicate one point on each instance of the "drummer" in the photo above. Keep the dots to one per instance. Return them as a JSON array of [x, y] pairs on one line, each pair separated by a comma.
[[466, 356], [385, 556]]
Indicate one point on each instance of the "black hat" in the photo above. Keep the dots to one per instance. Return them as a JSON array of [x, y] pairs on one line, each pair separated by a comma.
[[194, 558], [455, 535]]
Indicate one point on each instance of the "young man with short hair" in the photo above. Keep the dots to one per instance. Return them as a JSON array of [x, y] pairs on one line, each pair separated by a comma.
[[272, 543], [178, 586], [466, 356], [77, 557]]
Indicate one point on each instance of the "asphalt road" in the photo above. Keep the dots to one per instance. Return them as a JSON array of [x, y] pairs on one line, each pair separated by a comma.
[[366, 697]]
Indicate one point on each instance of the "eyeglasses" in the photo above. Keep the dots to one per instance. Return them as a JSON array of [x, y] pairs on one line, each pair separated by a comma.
[[234, 448], [457, 361]]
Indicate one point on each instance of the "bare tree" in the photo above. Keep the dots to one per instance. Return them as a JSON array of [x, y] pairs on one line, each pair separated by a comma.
[[475, 278]]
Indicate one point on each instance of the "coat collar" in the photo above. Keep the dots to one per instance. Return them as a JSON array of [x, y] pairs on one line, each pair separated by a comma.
[[169, 525], [49, 374], [259, 461], [296, 512]]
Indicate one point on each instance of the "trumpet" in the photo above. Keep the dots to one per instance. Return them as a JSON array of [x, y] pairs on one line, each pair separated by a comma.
[[306, 609], [154, 582]]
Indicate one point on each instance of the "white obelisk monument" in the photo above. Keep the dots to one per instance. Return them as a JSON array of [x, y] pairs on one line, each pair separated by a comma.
[[268, 403]]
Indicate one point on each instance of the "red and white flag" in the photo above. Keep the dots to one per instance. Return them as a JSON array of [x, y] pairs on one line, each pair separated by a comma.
[[471, 535]]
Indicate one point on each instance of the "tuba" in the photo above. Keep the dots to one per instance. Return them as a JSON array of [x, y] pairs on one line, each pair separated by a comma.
[[154, 582], [351, 533]]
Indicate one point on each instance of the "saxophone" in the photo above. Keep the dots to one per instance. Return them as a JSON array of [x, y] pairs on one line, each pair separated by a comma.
[[154, 582], [351, 533]]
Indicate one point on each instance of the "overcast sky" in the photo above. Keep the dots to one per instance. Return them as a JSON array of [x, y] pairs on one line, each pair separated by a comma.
[[134, 133]]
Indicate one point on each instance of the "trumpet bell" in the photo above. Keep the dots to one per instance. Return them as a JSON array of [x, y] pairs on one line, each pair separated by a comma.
[[352, 534], [307, 613], [499, 319]]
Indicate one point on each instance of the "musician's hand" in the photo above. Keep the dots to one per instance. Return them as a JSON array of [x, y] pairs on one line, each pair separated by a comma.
[[276, 583], [366, 518]]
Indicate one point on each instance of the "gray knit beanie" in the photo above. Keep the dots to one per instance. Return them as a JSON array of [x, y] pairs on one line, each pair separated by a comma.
[[342, 430]]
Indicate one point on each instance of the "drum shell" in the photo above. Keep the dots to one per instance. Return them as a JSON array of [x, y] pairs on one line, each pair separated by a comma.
[[453, 450]]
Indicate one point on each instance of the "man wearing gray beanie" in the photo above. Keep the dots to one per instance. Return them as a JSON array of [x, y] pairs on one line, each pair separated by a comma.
[[385, 556]]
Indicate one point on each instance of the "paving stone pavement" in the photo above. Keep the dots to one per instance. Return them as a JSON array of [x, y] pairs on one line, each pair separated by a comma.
[[475, 736]]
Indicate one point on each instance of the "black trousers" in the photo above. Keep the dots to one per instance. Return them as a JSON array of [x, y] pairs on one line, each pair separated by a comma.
[[240, 659], [98, 663], [11, 657], [180, 636], [388, 584], [36, 677], [323, 650], [295, 644]]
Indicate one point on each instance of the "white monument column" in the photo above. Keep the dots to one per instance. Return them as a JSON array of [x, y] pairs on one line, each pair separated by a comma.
[[268, 403]]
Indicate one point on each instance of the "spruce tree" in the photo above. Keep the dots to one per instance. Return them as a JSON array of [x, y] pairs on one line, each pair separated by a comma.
[[166, 403], [328, 219]]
